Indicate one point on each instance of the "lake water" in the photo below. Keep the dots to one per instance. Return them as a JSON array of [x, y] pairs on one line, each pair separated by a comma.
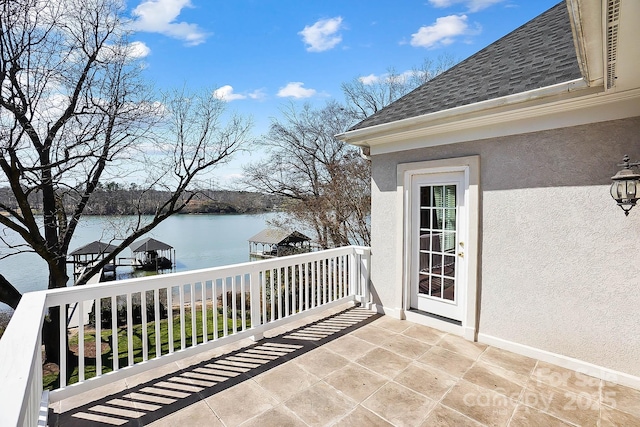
[[200, 241]]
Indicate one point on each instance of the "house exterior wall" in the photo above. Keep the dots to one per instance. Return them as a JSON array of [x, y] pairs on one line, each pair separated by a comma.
[[559, 263]]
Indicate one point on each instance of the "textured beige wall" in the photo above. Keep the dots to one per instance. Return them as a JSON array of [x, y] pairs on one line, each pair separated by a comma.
[[559, 262]]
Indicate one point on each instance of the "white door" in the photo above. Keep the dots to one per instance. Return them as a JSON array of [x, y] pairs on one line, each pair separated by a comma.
[[437, 248]]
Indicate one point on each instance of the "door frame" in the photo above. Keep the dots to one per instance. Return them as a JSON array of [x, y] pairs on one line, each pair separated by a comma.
[[470, 166]]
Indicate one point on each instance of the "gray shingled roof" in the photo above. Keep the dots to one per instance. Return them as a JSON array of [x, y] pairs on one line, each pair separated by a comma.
[[94, 248], [538, 54], [276, 236], [149, 244]]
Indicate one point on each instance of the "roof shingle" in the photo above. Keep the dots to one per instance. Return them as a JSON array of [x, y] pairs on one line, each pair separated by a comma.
[[538, 54]]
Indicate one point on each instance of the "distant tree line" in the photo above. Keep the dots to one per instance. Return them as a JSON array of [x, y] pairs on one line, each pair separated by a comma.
[[112, 198]]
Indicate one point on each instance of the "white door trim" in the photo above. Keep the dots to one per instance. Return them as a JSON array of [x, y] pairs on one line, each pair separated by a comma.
[[471, 168]]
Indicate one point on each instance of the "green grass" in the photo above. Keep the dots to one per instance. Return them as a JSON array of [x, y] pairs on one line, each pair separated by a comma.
[[51, 380]]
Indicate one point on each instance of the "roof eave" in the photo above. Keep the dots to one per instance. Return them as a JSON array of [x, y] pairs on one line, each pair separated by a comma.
[[375, 135]]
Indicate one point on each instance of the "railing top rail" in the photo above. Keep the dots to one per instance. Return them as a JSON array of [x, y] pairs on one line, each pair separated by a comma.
[[18, 348]]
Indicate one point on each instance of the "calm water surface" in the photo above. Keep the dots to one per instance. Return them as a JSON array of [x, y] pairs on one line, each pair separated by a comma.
[[200, 241]]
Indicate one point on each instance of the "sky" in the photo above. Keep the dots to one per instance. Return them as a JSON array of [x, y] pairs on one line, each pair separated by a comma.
[[260, 56]]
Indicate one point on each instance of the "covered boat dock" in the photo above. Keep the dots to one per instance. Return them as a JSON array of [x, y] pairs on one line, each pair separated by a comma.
[[152, 255], [271, 243]]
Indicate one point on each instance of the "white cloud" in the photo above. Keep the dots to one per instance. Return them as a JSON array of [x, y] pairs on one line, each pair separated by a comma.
[[323, 35], [225, 93], [442, 32], [158, 16], [472, 5], [370, 79], [257, 94], [295, 90], [138, 50]]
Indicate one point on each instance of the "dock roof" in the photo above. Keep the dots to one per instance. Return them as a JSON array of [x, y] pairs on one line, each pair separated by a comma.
[[274, 236], [94, 248], [149, 244]]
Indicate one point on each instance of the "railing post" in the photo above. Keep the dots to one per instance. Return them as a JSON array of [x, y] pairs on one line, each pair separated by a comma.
[[254, 297], [363, 261]]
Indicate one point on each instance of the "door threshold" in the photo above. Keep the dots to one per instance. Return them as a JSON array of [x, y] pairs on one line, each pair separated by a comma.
[[435, 316]]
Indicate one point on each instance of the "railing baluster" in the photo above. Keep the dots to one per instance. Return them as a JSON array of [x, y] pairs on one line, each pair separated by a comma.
[[183, 332], [300, 288], [98, 320], [143, 319], [170, 318], [256, 294], [129, 329], [156, 317], [314, 285], [306, 285], [278, 277], [286, 292], [214, 290], [243, 295], [62, 310], [294, 284], [263, 294], [234, 313], [194, 326], [205, 321], [272, 273], [115, 351], [225, 314], [80, 311]]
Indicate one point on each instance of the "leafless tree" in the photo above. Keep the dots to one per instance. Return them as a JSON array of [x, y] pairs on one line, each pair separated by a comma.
[[74, 110], [365, 97], [324, 181]]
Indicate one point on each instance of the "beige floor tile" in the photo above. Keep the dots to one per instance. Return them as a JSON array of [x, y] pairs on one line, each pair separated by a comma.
[[249, 396], [441, 416], [399, 405], [202, 357], [285, 380], [424, 333], [566, 379], [452, 363], [459, 345], [384, 362], [276, 417], [376, 336], [483, 405], [497, 379], [610, 417], [526, 416], [320, 405], [349, 347], [622, 398], [355, 381], [426, 380], [571, 407], [360, 417], [151, 375], [93, 395], [198, 414], [405, 346], [521, 365], [394, 325], [321, 362]]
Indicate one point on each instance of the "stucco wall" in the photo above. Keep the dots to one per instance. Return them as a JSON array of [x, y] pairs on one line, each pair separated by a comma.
[[559, 261]]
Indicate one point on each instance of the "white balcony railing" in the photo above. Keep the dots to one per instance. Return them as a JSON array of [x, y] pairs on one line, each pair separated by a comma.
[[139, 324]]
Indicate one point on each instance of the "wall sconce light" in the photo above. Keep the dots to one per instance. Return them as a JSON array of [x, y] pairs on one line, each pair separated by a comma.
[[624, 188]]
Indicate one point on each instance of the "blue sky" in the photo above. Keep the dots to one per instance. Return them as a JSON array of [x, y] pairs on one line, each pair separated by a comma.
[[261, 55]]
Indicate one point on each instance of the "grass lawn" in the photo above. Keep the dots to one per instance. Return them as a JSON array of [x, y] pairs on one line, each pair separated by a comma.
[[50, 375]]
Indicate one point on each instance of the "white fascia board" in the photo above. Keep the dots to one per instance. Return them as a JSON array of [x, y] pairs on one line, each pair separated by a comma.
[[473, 122]]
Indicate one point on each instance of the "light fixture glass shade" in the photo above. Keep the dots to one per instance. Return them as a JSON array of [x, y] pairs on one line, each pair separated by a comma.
[[624, 188]]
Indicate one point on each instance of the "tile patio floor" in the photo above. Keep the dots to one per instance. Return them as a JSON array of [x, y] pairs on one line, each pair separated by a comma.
[[351, 367]]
